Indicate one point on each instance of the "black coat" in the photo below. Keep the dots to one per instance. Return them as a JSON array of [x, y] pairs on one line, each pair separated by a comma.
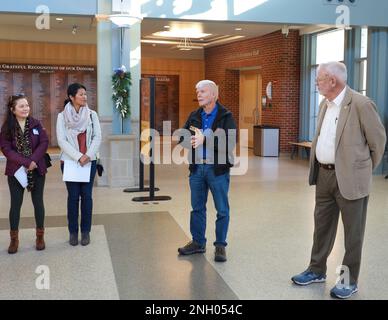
[[223, 144]]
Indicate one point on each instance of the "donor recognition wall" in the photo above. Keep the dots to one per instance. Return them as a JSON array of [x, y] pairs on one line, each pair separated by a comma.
[[45, 87]]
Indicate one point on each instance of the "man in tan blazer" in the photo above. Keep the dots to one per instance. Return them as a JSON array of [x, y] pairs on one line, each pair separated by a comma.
[[348, 145]]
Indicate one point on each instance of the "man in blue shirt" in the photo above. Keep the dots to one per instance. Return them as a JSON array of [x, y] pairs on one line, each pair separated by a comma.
[[211, 145]]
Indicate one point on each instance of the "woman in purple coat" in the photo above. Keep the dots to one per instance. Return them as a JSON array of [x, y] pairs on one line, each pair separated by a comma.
[[24, 143]]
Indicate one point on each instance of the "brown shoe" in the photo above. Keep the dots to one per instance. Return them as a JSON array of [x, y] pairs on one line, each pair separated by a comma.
[[40, 245], [13, 246]]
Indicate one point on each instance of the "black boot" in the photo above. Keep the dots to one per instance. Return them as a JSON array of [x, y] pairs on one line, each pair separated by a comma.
[[73, 239], [85, 238]]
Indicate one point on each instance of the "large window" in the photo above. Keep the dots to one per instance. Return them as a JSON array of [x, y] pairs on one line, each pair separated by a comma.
[[329, 47], [332, 46], [363, 62]]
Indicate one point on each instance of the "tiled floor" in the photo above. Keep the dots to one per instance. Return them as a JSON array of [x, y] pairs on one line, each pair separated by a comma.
[[270, 235], [59, 271]]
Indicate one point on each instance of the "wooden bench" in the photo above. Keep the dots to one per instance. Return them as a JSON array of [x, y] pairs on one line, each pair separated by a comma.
[[306, 145]]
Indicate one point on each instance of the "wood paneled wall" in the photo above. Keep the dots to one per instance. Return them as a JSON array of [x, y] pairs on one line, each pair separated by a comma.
[[48, 53], [189, 71]]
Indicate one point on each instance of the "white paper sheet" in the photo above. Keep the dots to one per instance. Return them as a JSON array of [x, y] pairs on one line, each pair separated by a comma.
[[21, 176], [74, 172]]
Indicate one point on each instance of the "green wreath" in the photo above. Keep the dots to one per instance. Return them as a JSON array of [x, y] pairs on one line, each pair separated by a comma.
[[121, 81]]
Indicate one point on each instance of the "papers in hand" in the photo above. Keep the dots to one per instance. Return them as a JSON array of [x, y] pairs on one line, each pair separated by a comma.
[[74, 172], [21, 176]]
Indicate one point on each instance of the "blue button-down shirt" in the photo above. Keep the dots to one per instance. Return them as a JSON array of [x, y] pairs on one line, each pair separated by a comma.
[[207, 123]]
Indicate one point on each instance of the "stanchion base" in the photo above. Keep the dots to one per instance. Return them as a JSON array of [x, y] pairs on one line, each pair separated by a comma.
[[139, 190], [155, 198]]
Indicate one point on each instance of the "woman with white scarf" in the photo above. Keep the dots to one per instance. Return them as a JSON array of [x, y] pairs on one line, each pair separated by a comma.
[[79, 137]]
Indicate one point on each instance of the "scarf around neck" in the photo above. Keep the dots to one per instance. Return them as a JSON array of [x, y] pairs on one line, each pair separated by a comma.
[[76, 123]]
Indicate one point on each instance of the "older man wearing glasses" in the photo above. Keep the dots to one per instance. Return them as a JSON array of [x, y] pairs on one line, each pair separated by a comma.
[[349, 144]]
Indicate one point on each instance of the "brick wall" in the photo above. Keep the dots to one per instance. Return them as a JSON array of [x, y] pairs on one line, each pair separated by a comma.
[[279, 61]]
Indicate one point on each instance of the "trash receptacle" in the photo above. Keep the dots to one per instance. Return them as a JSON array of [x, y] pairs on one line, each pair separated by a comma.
[[266, 141]]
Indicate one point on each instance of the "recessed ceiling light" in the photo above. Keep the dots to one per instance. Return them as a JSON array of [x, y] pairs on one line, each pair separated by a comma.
[[238, 29]]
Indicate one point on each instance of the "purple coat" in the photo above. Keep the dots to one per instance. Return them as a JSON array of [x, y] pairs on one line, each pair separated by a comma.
[[39, 144]]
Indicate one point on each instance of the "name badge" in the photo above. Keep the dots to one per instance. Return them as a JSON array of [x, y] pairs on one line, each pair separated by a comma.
[[35, 132]]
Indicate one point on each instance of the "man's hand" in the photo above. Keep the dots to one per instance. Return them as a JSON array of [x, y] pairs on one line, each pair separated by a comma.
[[84, 160], [197, 139], [32, 166]]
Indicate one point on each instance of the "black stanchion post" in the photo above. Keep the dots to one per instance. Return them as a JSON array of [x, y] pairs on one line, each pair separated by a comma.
[[152, 188], [141, 163]]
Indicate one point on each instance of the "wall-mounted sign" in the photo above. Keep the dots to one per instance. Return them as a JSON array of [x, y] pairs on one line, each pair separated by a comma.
[[243, 55]]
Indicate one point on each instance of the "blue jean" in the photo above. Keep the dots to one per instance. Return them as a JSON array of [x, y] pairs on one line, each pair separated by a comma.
[[75, 191], [201, 180]]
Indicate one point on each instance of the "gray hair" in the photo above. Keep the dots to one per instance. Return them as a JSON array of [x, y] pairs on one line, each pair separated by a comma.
[[210, 84], [336, 69]]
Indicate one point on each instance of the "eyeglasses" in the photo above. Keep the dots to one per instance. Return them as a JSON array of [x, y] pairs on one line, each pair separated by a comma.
[[321, 79]]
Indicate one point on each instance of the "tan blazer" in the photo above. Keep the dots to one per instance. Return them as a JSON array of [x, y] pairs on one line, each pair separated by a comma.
[[360, 144]]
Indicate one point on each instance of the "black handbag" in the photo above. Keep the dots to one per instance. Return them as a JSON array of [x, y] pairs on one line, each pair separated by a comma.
[[100, 168], [47, 159]]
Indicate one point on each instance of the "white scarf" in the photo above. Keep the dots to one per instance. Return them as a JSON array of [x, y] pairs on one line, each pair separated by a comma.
[[76, 123]]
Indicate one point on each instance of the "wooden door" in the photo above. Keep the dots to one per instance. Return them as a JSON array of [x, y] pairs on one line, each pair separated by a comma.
[[250, 102]]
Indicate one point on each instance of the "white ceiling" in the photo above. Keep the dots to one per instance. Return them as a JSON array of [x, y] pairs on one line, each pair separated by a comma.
[[150, 26], [221, 33], [22, 27]]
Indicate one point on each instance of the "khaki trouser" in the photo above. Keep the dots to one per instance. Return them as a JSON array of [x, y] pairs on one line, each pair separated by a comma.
[[328, 203]]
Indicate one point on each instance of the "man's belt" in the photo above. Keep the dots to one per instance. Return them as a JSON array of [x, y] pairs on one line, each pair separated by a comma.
[[327, 166]]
